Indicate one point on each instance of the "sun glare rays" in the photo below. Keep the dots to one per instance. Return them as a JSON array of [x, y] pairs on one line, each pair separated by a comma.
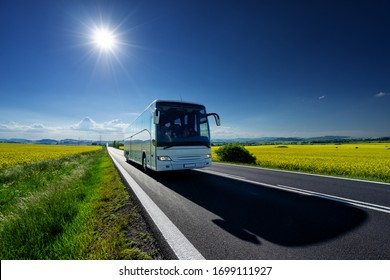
[[106, 48], [104, 39]]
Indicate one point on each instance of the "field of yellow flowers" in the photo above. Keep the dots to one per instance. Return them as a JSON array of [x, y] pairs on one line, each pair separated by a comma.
[[15, 154], [365, 161]]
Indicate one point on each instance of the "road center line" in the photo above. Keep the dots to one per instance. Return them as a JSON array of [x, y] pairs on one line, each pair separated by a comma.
[[341, 199], [223, 174], [358, 203]]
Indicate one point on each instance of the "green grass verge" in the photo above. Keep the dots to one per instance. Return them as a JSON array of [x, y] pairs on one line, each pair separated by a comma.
[[70, 208]]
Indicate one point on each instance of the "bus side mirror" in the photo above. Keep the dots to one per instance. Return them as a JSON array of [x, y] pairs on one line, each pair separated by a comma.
[[216, 117], [156, 117]]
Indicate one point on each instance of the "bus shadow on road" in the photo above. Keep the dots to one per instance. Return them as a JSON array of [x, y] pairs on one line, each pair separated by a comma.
[[254, 212]]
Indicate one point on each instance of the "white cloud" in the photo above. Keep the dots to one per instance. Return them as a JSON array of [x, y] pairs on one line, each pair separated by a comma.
[[321, 97], [117, 125], [225, 132], [381, 94], [87, 128], [16, 127], [88, 124]]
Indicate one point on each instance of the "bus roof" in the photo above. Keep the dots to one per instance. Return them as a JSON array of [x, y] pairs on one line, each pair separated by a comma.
[[174, 101]]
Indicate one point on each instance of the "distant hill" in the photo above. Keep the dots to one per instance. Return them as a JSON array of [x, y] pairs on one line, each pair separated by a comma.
[[21, 140], [15, 140], [259, 140], [296, 140], [46, 141], [327, 139], [246, 141], [54, 142]]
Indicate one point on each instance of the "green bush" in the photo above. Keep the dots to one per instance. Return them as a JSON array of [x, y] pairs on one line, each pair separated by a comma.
[[235, 153]]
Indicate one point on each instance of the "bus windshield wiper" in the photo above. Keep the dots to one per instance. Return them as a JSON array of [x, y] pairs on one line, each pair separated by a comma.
[[169, 146]]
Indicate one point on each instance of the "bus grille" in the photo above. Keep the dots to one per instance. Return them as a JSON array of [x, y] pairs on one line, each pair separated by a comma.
[[188, 158]]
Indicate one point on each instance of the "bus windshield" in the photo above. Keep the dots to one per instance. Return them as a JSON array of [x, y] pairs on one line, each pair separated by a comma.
[[182, 124]]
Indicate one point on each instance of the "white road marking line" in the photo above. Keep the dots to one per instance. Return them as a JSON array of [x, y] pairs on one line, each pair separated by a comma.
[[303, 173], [223, 174], [358, 203], [180, 245], [342, 199]]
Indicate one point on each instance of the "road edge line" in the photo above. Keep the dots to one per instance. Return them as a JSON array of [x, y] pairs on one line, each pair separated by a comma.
[[180, 246]]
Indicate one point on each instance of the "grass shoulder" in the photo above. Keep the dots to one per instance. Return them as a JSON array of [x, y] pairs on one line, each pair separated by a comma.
[[77, 210]]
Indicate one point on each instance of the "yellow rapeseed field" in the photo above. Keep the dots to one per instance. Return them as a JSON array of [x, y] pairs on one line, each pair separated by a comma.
[[365, 161], [14, 154]]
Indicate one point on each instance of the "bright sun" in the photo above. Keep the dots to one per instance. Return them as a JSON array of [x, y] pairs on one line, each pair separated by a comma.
[[104, 39]]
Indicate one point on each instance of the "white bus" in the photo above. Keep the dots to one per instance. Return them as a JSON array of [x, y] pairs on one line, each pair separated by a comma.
[[170, 135]]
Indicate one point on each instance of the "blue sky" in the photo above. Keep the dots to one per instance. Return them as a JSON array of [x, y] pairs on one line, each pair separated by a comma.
[[269, 68]]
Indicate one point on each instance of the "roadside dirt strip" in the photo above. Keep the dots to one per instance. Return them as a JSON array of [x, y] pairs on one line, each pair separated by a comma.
[[177, 243]]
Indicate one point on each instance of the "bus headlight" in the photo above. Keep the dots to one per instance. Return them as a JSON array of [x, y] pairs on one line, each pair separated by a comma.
[[207, 156], [164, 158]]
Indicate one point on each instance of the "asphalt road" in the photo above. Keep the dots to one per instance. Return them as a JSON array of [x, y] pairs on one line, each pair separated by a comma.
[[235, 212]]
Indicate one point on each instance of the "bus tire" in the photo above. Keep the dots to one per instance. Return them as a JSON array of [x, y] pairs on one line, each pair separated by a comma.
[[144, 164]]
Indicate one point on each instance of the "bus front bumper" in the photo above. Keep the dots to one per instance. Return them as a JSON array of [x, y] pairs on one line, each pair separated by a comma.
[[179, 165]]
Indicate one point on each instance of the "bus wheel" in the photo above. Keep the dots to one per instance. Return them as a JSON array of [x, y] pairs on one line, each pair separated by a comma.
[[144, 167]]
